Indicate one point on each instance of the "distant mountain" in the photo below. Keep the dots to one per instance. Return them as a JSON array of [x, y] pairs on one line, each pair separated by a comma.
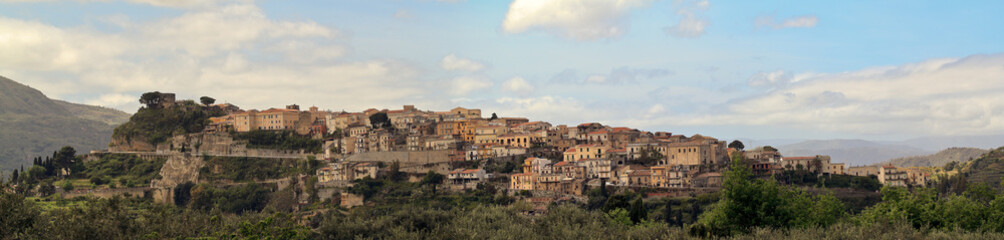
[[853, 152], [34, 125], [942, 142], [956, 154]]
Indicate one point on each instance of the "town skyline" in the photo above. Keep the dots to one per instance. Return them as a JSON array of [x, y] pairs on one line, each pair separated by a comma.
[[738, 70]]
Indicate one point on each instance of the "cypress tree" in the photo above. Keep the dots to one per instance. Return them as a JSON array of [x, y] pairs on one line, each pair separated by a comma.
[[638, 212]]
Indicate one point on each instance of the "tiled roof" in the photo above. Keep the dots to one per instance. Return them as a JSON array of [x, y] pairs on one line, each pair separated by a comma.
[[798, 158]]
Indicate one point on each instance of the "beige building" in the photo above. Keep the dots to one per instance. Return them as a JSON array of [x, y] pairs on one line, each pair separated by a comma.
[[892, 176], [584, 152]]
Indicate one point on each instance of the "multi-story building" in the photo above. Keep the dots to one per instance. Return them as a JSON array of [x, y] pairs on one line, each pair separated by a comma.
[[596, 167], [892, 176], [818, 163], [537, 165], [467, 176], [582, 152], [272, 119], [522, 181]]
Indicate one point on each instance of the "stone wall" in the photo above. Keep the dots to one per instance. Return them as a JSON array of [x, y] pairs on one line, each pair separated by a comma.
[[410, 161]]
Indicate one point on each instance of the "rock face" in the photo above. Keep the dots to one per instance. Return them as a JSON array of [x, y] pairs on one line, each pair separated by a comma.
[[178, 169]]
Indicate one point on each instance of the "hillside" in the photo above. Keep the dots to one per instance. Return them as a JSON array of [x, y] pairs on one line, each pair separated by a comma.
[[955, 154], [988, 168], [96, 113], [852, 152], [35, 125]]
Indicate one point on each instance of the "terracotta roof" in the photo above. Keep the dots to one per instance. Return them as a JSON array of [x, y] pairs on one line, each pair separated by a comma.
[[272, 110], [471, 170], [798, 158], [561, 164], [570, 150], [621, 129], [528, 123]]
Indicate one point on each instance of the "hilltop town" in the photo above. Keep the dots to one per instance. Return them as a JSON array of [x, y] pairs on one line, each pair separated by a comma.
[[324, 168], [470, 149]]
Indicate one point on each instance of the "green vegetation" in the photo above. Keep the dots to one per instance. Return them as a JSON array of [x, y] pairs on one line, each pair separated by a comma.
[[155, 125], [137, 218], [280, 140], [243, 169], [806, 178], [955, 154], [127, 169], [987, 169], [749, 203], [234, 199]]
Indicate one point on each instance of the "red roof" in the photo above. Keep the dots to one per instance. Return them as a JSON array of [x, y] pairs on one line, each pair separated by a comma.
[[570, 150], [560, 164], [799, 158], [471, 170], [621, 129]]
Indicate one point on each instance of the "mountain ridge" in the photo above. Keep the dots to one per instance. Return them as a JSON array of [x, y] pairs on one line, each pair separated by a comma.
[[35, 125]]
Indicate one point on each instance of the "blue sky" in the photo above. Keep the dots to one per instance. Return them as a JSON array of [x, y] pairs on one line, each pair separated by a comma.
[[739, 69]]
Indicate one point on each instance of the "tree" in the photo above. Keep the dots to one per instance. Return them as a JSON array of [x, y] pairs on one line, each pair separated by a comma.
[[63, 159], [433, 179], [638, 212], [183, 193], [151, 99], [17, 216], [649, 157], [737, 145], [769, 148], [494, 117], [46, 189], [380, 120], [205, 100], [67, 185], [14, 176], [394, 172]]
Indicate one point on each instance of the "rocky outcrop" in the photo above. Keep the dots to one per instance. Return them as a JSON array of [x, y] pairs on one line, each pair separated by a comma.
[[178, 169]]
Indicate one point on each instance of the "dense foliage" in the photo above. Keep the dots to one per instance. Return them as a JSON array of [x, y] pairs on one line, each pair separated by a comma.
[[281, 140], [234, 199], [242, 169], [807, 178], [155, 125], [748, 203], [129, 169]]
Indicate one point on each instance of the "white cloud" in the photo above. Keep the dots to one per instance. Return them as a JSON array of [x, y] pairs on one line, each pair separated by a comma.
[[517, 85], [691, 24], [777, 78], [463, 85], [580, 20], [806, 21], [452, 62], [234, 53], [936, 97], [620, 75]]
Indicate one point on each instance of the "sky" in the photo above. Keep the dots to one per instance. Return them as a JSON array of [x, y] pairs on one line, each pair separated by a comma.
[[880, 70]]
